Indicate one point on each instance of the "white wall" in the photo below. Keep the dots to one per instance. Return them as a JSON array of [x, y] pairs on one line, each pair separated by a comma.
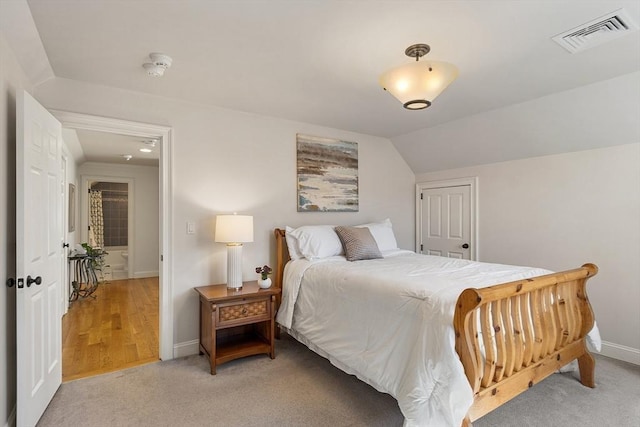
[[12, 80], [145, 199], [562, 211], [226, 161]]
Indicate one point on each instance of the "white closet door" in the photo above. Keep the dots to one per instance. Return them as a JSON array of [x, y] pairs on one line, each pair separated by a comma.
[[446, 221]]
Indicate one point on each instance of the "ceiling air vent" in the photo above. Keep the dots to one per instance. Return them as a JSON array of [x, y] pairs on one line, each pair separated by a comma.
[[611, 26]]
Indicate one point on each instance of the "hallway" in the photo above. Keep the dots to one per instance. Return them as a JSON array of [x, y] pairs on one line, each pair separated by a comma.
[[116, 330]]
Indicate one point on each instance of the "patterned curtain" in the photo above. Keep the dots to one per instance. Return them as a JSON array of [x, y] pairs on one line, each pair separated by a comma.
[[96, 220]]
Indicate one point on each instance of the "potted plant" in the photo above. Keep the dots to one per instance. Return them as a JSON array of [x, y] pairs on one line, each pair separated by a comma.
[[264, 281], [95, 255]]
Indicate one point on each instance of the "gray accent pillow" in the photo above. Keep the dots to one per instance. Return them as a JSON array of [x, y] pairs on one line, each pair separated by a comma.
[[358, 243]]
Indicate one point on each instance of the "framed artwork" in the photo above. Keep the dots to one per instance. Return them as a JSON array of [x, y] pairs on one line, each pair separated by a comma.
[[72, 208], [327, 174]]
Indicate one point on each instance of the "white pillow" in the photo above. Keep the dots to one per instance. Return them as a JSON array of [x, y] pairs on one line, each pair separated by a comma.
[[383, 234], [292, 244], [316, 241]]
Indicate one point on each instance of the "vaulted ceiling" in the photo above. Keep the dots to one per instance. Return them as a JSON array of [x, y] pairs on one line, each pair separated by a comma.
[[319, 61]]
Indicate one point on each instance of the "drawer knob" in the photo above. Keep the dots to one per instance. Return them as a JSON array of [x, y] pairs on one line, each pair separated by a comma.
[[244, 311]]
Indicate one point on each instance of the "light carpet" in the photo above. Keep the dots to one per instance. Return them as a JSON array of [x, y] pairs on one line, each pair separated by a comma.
[[299, 388]]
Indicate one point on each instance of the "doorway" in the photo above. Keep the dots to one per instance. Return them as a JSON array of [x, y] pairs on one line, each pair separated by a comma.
[[446, 218], [107, 222], [163, 135], [112, 322]]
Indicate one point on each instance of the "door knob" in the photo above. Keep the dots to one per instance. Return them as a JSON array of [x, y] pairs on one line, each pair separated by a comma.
[[465, 246], [31, 280]]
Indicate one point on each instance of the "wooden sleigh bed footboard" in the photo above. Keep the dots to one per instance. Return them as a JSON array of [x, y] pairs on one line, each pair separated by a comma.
[[512, 336]]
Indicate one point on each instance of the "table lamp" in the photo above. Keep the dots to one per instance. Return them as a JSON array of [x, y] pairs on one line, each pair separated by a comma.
[[234, 230]]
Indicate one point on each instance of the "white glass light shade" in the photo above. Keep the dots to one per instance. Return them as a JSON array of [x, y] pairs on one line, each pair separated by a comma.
[[417, 84], [234, 228]]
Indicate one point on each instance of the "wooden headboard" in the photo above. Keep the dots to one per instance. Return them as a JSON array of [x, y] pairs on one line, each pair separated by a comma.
[[282, 257]]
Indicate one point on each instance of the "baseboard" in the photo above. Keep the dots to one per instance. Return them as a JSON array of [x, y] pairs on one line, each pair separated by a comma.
[[11, 421], [621, 352], [615, 351], [187, 348], [145, 274]]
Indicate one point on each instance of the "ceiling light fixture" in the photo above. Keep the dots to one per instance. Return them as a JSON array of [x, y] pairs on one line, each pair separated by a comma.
[[417, 84], [145, 150], [159, 63], [127, 157]]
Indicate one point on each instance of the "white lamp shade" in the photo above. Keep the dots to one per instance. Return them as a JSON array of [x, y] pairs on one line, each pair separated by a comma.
[[418, 81], [234, 228]]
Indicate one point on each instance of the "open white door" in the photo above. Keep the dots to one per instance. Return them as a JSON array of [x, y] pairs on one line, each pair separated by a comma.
[[39, 249]]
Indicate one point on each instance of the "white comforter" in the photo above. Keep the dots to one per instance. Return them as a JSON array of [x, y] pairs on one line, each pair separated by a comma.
[[390, 323]]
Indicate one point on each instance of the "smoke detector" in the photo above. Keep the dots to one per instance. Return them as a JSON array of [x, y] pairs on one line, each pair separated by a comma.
[[593, 33], [159, 63]]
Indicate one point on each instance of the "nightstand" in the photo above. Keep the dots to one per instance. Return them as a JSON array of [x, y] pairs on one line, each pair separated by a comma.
[[236, 323]]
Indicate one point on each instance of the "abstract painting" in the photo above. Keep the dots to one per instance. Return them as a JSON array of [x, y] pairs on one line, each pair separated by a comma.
[[327, 174]]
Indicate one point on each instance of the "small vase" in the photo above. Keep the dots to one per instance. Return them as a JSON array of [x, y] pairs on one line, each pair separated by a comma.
[[264, 283]]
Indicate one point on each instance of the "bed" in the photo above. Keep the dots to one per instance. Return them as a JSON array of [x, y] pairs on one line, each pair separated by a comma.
[[478, 335]]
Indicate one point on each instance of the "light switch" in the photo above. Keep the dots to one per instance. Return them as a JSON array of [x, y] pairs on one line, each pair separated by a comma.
[[191, 227]]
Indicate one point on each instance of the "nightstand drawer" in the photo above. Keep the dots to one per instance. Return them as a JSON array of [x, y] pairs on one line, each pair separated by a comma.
[[237, 313]]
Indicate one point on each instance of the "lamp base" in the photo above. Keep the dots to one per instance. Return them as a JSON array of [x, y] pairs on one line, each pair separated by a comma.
[[234, 266]]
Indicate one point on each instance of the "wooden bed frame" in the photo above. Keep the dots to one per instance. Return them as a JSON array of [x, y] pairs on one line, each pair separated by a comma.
[[517, 353]]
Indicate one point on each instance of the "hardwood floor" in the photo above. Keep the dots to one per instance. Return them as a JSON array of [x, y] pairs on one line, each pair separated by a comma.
[[116, 330]]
